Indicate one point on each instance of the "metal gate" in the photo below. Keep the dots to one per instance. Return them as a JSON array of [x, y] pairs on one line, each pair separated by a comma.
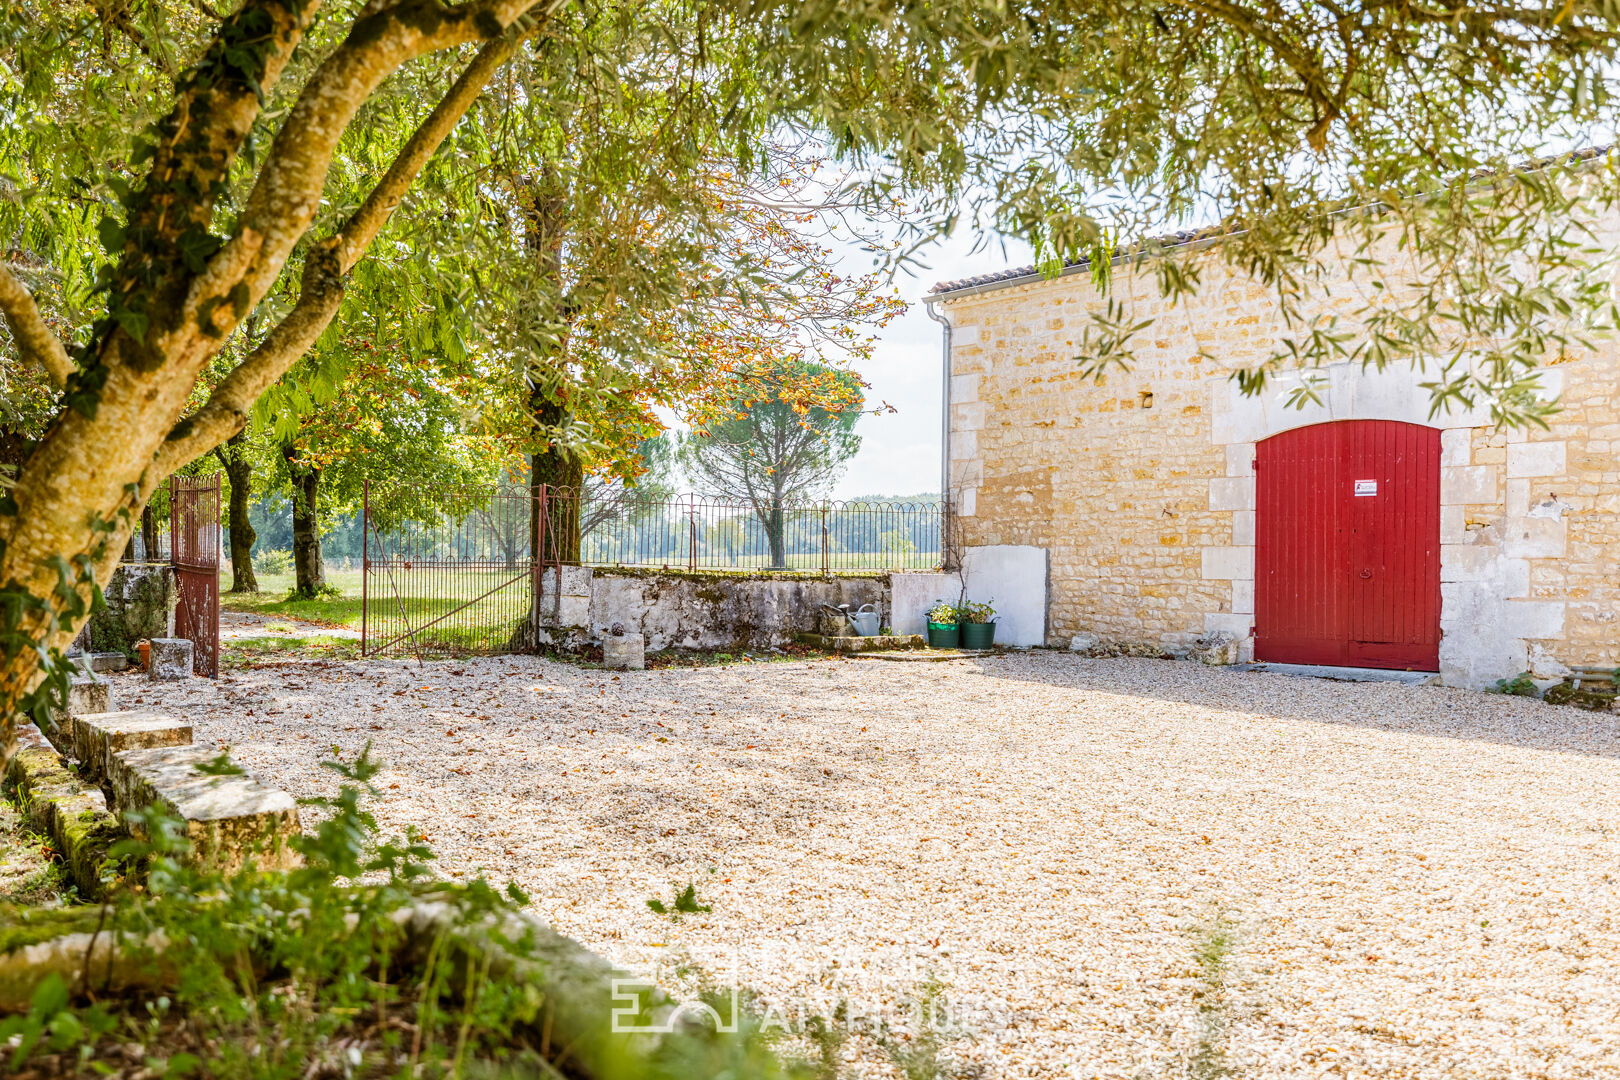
[[448, 572], [1347, 545], [194, 554]]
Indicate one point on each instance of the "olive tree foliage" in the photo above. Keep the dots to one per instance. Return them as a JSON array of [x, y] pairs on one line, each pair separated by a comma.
[[1413, 185], [198, 146]]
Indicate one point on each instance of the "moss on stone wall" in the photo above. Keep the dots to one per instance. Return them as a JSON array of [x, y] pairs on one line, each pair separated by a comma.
[[139, 599], [740, 575]]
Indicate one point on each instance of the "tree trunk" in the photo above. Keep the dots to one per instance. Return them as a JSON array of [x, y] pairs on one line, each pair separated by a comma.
[[149, 533], [308, 568], [240, 471], [775, 530], [543, 202], [564, 476]]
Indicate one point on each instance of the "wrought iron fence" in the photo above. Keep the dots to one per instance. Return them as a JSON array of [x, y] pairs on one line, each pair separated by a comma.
[[453, 572], [451, 581], [626, 527]]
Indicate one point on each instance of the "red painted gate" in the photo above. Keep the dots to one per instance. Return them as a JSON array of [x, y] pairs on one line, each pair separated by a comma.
[[194, 553], [1347, 545]]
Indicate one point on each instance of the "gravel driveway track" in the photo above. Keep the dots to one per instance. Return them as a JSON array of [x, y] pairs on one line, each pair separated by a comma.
[[1421, 881]]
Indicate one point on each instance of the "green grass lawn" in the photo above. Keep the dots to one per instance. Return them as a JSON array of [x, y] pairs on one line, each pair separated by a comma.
[[434, 601], [271, 599]]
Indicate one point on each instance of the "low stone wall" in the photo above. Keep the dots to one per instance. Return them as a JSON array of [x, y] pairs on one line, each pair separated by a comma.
[[141, 598], [698, 611]]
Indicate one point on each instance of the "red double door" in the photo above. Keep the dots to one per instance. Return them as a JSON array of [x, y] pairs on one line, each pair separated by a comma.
[[1347, 546]]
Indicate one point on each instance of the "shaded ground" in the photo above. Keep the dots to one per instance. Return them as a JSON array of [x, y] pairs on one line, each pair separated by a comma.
[[28, 872], [1411, 881]]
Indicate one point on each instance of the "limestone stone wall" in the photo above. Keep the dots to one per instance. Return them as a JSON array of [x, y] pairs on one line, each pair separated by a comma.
[[141, 600], [699, 611], [1140, 484]]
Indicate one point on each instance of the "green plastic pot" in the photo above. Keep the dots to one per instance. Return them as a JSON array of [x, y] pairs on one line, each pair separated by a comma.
[[978, 635], [944, 635]]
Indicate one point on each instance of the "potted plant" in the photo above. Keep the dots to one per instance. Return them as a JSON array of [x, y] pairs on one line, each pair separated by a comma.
[[978, 625], [943, 631]]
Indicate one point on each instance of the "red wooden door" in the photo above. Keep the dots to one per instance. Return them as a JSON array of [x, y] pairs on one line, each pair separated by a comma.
[[1347, 545]]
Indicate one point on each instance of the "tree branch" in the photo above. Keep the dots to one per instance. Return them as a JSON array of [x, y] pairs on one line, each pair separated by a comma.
[[34, 338], [287, 193], [321, 292]]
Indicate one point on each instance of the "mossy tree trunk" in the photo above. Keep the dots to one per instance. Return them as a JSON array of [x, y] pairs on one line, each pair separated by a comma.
[[178, 292], [149, 533], [563, 474], [239, 470], [309, 568]]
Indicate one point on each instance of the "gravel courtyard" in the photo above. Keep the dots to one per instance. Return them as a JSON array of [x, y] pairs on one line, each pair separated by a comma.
[[1420, 882]]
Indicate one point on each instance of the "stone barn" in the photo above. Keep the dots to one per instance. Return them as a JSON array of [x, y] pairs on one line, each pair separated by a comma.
[[1169, 507]]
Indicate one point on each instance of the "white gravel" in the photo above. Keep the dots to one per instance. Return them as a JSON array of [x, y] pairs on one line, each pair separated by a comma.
[[1422, 879]]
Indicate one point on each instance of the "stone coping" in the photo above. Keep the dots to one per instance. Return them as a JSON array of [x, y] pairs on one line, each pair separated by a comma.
[[97, 737]]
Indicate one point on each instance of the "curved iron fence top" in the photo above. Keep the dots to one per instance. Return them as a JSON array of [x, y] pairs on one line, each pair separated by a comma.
[[560, 491], [875, 502]]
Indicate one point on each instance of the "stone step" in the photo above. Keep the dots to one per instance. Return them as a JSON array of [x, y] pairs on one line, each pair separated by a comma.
[[100, 736], [230, 817], [86, 695]]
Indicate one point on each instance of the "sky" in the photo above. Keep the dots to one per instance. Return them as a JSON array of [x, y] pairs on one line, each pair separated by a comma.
[[900, 451]]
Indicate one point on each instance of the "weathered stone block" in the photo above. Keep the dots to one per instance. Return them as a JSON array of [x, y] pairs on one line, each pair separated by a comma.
[[1227, 563], [97, 738], [1535, 538], [1231, 493], [1536, 459], [1456, 448], [1467, 485], [170, 659], [874, 643], [106, 661], [230, 816], [87, 695], [141, 599], [1217, 649], [627, 652], [1237, 626], [66, 809]]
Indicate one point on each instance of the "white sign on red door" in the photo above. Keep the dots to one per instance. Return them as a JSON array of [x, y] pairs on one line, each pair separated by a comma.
[[1366, 487]]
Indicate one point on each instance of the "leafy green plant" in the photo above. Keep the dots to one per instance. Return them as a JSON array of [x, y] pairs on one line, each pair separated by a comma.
[[685, 903], [918, 1055], [326, 592], [277, 967], [977, 612], [1521, 685], [274, 561], [1213, 943], [943, 613]]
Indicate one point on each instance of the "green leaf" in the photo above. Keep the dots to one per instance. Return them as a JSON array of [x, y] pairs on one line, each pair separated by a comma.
[[111, 231], [197, 246], [50, 997], [134, 323]]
